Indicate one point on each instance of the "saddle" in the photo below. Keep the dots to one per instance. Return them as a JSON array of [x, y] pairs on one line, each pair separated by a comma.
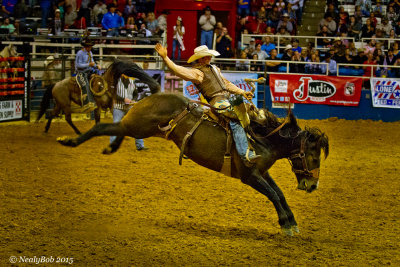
[[213, 115]]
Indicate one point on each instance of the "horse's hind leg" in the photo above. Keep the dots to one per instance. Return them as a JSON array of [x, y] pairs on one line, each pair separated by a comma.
[[69, 119], [53, 114], [110, 129], [114, 145]]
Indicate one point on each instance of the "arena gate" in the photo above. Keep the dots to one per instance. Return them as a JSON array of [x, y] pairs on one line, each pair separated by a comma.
[[15, 81]]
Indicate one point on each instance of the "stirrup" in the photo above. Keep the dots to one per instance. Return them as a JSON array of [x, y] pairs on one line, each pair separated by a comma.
[[253, 159]]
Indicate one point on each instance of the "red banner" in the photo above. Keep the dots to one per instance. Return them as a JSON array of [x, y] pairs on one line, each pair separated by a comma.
[[315, 89]]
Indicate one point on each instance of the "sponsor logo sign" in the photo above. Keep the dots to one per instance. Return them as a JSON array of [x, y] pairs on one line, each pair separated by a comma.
[[385, 92], [315, 89], [10, 110]]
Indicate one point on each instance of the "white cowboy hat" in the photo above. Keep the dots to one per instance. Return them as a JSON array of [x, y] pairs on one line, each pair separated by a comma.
[[48, 60], [202, 51]]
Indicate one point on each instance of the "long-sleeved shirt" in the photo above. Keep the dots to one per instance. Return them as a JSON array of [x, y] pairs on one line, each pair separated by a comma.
[[207, 24], [112, 21], [196, 76], [124, 90], [331, 67], [82, 60]]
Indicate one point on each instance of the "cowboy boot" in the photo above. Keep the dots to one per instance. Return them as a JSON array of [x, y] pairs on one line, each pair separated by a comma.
[[242, 145]]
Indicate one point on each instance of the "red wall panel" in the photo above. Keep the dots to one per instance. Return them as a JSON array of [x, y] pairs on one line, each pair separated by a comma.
[[190, 11]]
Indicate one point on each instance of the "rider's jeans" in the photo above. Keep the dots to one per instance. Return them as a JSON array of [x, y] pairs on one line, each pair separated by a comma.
[[239, 135], [90, 97]]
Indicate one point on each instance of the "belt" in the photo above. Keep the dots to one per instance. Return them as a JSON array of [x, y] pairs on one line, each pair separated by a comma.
[[207, 31]]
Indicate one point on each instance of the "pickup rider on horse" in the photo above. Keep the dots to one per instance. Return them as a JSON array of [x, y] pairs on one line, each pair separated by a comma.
[[215, 89], [85, 66]]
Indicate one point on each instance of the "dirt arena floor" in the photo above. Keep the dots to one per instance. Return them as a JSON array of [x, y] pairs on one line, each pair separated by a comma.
[[143, 209]]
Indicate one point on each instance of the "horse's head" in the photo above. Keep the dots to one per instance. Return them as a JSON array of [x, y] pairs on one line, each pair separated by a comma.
[[305, 156]]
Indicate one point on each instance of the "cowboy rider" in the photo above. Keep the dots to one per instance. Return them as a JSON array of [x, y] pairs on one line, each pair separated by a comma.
[[84, 67], [215, 89]]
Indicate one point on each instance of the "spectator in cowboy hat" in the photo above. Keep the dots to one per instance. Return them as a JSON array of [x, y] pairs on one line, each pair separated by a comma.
[[52, 72], [287, 55], [284, 22]]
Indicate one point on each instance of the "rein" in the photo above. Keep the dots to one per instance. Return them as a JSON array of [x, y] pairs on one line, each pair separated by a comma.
[[302, 156]]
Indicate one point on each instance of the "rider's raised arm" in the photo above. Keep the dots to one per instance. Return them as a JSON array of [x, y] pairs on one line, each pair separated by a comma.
[[193, 75]]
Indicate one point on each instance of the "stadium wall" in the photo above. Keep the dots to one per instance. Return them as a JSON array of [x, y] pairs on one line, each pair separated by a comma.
[[364, 111]]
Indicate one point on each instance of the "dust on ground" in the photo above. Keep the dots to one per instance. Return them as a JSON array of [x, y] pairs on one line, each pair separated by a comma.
[[140, 208]]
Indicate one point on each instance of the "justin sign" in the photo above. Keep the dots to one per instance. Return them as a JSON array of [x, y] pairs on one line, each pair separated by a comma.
[[315, 89]]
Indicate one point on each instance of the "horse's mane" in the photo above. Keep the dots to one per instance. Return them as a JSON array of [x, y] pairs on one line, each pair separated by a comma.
[[131, 69], [315, 134], [261, 129], [265, 126]]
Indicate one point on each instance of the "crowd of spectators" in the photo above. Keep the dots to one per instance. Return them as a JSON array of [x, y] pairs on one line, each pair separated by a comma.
[[273, 17], [337, 26], [117, 17]]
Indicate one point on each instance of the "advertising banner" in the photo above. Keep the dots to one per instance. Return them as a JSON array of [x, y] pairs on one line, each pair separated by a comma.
[[315, 89], [14, 89], [190, 91], [10, 110], [385, 92]]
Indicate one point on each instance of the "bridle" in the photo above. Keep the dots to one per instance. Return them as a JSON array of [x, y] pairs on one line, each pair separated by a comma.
[[314, 173]]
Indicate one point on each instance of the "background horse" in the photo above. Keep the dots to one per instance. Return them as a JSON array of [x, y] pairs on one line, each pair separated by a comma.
[[103, 88], [207, 145], [8, 51]]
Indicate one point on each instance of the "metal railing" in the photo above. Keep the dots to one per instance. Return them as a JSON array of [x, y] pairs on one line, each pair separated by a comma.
[[389, 41], [279, 37], [287, 64]]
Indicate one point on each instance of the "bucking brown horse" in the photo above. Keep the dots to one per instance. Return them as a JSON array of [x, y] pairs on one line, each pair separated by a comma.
[[67, 91], [207, 145]]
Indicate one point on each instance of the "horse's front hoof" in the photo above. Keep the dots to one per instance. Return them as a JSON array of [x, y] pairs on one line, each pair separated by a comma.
[[67, 141], [287, 231], [295, 229]]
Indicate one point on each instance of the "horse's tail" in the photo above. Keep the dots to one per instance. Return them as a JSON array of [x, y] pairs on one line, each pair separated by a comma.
[[45, 101], [119, 67]]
